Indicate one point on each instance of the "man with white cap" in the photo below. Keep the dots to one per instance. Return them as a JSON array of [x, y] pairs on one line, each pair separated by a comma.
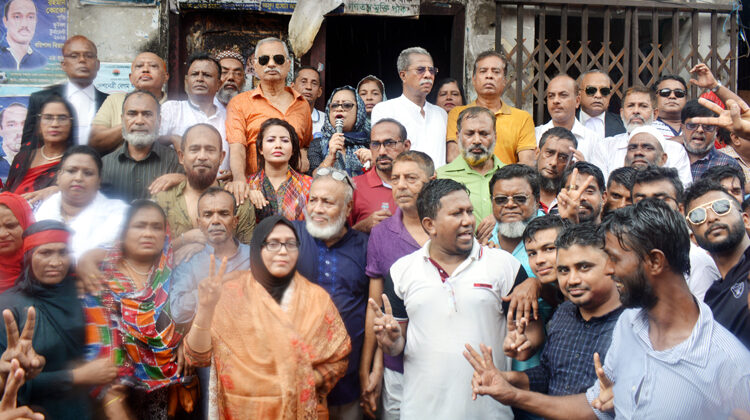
[[638, 110], [645, 148]]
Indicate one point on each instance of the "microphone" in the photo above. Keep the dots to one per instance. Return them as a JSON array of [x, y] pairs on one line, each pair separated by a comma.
[[339, 129]]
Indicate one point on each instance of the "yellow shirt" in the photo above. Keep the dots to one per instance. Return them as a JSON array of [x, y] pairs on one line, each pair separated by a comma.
[[110, 113], [514, 128]]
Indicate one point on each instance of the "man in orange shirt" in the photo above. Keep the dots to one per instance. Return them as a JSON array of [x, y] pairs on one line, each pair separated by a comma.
[[248, 110], [515, 128]]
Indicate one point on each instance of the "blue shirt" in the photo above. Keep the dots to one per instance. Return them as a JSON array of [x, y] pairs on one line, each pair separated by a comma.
[[704, 377], [567, 363], [713, 158], [183, 294], [31, 60], [340, 270]]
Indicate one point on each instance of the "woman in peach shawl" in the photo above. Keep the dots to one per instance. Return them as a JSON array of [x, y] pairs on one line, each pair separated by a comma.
[[276, 340]]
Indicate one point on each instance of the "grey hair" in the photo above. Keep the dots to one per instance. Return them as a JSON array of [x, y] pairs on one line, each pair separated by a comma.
[[348, 183], [272, 39], [404, 58]]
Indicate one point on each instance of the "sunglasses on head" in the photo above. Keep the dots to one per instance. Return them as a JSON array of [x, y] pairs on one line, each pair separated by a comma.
[[423, 69], [336, 174], [707, 128], [591, 90], [699, 215], [502, 200], [278, 59], [678, 93]]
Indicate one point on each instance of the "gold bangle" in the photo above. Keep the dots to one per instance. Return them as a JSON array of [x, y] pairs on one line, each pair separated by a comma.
[[198, 327], [112, 401]]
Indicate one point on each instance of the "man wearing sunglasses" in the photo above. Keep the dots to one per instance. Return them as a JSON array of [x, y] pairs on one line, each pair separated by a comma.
[[719, 226], [698, 140], [373, 198], [597, 91], [638, 110], [563, 98], [425, 123], [664, 184], [514, 128], [671, 96], [271, 99]]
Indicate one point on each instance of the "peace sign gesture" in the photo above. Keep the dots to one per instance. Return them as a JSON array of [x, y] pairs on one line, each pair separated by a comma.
[[606, 399], [387, 329], [515, 340], [9, 402], [569, 197], [487, 379], [19, 347], [209, 289]]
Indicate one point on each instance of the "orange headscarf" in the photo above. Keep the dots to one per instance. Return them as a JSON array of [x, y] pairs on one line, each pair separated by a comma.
[[11, 266]]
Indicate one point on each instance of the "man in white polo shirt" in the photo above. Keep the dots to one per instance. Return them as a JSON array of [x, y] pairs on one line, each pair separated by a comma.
[[425, 123], [563, 98], [452, 290]]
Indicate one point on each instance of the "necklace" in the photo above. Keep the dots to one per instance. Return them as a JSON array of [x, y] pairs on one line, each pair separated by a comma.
[[130, 266], [47, 157]]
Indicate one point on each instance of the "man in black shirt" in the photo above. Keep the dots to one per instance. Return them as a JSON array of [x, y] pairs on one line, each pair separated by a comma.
[[719, 226]]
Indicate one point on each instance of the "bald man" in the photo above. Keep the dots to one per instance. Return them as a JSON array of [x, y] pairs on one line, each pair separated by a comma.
[[80, 64], [148, 72], [563, 98]]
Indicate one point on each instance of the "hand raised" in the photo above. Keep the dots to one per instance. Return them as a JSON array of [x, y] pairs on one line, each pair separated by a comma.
[[9, 402], [606, 399], [387, 329], [20, 346], [515, 340], [488, 380], [569, 198], [703, 76], [736, 118], [209, 289]]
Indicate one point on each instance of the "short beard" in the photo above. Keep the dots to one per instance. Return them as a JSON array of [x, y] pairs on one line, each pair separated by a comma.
[[201, 181], [630, 126], [550, 184], [637, 291], [325, 233], [226, 95], [139, 141], [476, 159], [736, 234], [591, 217], [512, 230], [698, 151]]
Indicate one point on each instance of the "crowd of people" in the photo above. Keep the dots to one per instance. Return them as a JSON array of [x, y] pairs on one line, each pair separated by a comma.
[[240, 254]]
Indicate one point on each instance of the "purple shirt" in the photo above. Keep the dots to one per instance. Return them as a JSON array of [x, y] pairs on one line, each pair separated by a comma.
[[389, 241]]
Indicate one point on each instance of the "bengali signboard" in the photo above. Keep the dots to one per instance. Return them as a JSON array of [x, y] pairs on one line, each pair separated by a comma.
[[113, 77], [31, 39], [382, 7], [405, 8]]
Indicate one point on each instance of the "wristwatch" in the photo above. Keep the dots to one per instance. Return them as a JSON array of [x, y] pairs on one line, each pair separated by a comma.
[[716, 88]]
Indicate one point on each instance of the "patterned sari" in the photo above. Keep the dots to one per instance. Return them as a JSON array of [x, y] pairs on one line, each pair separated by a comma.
[[134, 326], [265, 353], [289, 200]]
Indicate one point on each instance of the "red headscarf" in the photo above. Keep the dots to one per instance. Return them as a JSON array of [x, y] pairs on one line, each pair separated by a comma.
[[11, 266]]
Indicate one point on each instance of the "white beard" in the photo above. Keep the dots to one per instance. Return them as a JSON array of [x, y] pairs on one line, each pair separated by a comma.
[[512, 230], [139, 140], [324, 232]]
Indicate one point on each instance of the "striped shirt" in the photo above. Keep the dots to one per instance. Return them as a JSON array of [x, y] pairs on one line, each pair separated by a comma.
[[713, 158], [704, 377], [128, 179]]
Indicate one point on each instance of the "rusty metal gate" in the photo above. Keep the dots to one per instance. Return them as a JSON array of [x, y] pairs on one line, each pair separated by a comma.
[[634, 42]]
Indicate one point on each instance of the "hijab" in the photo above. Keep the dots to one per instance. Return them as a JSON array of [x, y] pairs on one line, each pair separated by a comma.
[[372, 78], [356, 139], [276, 286], [11, 266], [56, 305]]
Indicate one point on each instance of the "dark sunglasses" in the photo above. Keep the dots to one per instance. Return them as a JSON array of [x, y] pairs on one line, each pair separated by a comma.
[[278, 59], [664, 93], [422, 69], [502, 200], [707, 128], [591, 91], [699, 215]]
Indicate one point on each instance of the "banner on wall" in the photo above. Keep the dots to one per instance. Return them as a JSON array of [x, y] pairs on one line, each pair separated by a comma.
[[13, 107], [113, 77], [403, 8], [31, 40]]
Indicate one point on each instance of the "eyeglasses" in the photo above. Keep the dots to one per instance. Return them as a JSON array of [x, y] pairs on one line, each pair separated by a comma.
[[343, 105], [77, 56], [519, 199], [336, 174], [276, 246], [422, 69], [591, 90], [664, 93], [278, 59], [388, 144], [50, 118], [707, 128], [699, 215]]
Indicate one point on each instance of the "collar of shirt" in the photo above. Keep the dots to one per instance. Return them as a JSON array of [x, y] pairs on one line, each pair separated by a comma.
[[579, 130], [124, 154], [237, 243], [695, 349], [258, 92], [316, 115], [395, 224], [414, 108], [583, 117], [373, 179], [71, 89], [475, 255], [195, 108], [505, 109], [711, 155]]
